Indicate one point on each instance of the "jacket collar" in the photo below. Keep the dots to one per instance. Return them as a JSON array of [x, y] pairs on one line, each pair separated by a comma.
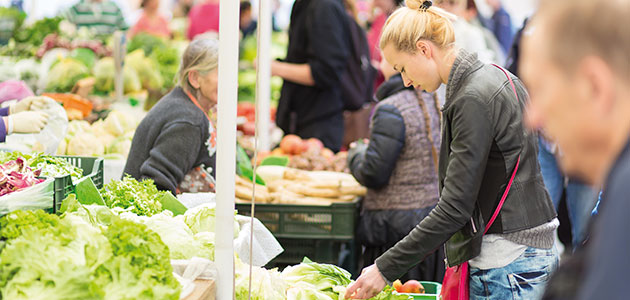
[[390, 87], [464, 64]]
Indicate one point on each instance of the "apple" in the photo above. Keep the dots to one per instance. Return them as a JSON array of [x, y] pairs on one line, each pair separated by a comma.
[[397, 285], [327, 153], [412, 287], [291, 144], [314, 143]]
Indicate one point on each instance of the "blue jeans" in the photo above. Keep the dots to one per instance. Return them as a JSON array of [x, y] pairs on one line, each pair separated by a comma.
[[525, 278], [580, 198]]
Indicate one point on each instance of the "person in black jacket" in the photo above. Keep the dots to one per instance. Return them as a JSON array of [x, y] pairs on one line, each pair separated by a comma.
[[399, 167], [319, 46], [484, 142]]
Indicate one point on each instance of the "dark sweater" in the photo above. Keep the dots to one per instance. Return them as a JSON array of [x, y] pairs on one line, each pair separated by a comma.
[[318, 36], [170, 141]]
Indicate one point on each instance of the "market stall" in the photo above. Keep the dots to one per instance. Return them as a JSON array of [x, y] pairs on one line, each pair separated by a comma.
[[285, 215]]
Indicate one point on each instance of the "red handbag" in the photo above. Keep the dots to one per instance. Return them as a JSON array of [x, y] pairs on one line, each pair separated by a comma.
[[455, 285]]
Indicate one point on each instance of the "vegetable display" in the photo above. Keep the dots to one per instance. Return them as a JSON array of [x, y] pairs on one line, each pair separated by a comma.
[[139, 197], [16, 175], [50, 166], [51, 257]]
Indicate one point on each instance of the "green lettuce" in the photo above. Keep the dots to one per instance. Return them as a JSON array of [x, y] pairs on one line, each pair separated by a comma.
[[139, 197], [140, 267], [203, 219]]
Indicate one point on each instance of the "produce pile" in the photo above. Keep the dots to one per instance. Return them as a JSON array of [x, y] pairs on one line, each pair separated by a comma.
[[309, 154], [293, 186], [110, 137], [51, 257], [16, 175], [46, 165], [305, 281]]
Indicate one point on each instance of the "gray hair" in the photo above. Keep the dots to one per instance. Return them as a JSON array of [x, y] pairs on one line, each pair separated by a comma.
[[202, 55]]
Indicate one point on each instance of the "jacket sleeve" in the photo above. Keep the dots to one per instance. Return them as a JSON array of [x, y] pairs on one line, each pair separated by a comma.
[[329, 44], [472, 135], [173, 155], [373, 164]]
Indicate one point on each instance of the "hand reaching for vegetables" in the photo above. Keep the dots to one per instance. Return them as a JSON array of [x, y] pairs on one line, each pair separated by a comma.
[[28, 121], [369, 284], [28, 103]]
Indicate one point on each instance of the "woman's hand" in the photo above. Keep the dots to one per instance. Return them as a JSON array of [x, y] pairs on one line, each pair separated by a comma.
[[369, 284]]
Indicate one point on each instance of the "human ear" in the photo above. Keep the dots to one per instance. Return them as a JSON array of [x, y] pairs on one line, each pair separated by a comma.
[[424, 48], [193, 79], [599, 80]]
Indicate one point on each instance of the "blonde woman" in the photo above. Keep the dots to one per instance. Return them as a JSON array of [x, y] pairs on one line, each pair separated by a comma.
[[484, 147], [178, 136]]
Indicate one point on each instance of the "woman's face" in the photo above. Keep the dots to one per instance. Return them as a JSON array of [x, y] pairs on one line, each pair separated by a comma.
[[418, 69], [207, 84]]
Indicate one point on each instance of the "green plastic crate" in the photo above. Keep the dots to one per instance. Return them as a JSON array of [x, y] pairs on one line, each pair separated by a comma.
[[431, 291], [334, 222], [92, 167]]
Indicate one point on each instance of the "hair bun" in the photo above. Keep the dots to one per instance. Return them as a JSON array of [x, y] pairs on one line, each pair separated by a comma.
[[418, 4]]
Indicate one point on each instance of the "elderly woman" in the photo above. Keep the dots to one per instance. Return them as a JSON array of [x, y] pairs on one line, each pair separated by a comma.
[[177, 138]]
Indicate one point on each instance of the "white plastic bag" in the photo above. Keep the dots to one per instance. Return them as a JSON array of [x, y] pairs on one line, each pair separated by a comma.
[[39, 196], [46, 140], [187, 271]]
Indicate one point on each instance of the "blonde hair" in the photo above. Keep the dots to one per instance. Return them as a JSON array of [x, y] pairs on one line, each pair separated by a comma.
[[407, 25], [202, 55], [578, 28]]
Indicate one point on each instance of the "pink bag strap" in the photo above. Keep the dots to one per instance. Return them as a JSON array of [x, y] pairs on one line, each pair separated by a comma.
[[507, 189]]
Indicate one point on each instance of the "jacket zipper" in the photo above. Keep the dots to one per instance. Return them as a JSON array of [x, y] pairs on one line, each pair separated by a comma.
[[472, 222]]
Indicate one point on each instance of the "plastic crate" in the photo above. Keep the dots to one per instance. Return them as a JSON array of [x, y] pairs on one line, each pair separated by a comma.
[[431, 291], [341, 253], [334, 222], [92, 167]]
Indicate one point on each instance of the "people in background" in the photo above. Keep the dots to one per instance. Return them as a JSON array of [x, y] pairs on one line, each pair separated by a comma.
[[102, 16], [500, 24], [575, 63], [203, 17], [319, 45], [398, 165], [151, 21], [486, 155], [176, 142], [383, 8], [247, 23], [467, 36]]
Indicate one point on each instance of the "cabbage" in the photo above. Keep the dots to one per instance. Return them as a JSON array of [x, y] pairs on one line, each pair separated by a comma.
[[104, 72], [85, 144], [148, 73], [132, 82], [202, 219], [65, 74], [266, 284], [118, 123], [78, 126], [177, 235]]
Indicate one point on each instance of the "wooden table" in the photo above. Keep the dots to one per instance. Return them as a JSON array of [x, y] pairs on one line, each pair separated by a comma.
[[204, 290]]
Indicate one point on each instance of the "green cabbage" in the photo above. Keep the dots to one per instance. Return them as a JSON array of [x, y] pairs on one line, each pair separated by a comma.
[[202, 219], [65, 74]]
